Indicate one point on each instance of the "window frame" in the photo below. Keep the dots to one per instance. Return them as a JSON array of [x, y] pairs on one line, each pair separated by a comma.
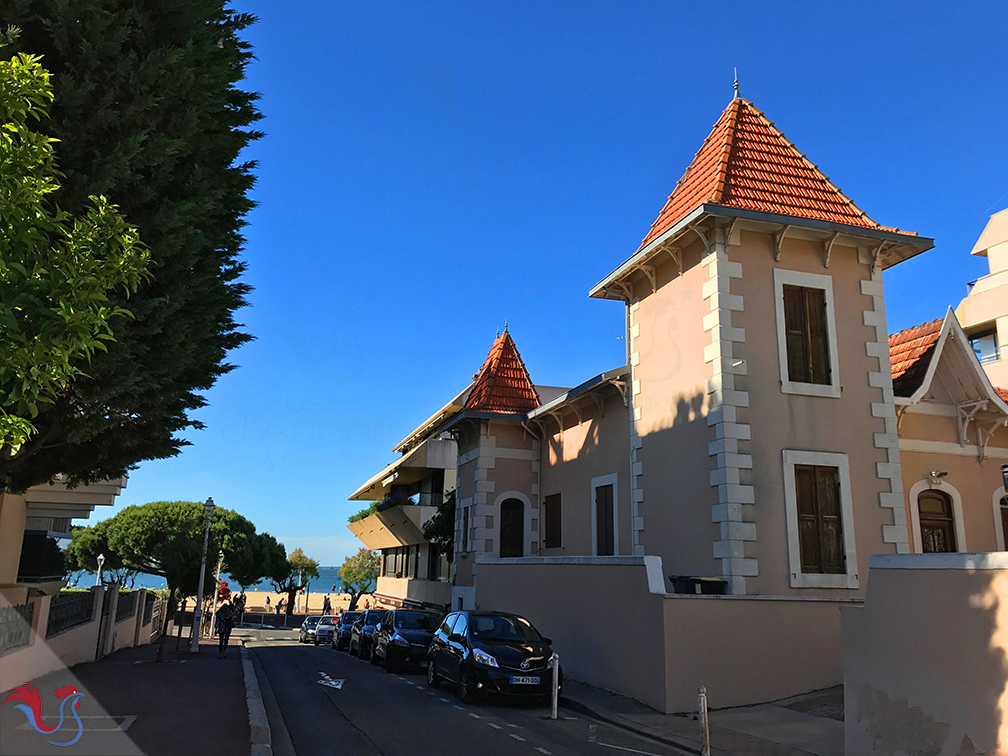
[[551, 517], [782, 278], [799, 579], [992, 333]]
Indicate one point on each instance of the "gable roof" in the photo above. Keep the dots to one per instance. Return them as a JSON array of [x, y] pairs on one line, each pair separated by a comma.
[[746, 162], [916, 354], [503, 384]]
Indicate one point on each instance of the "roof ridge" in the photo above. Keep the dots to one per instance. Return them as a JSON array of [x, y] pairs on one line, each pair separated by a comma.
[[728, 143], [919, 325]]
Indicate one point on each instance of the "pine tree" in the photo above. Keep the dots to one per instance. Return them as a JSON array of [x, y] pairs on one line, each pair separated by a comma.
[[149, 113]]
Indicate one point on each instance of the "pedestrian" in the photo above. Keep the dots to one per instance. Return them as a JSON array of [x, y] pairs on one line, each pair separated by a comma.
[[267, 605], [367, 604], [225, 621], [326, 606]]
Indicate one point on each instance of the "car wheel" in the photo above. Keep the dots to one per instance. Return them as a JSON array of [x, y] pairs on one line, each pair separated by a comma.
[[466, 691], [433, 680]]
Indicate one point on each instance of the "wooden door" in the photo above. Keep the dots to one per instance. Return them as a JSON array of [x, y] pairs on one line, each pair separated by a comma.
[[937, 526]]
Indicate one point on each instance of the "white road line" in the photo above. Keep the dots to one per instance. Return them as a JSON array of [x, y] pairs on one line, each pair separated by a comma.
[[544, 752], [516, 736], [441, 699], [475, 716], [460, 708], [512, 725], [630, 750], [495, 726]]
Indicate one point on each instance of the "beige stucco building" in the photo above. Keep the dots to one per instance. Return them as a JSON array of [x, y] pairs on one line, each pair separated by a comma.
[[983, 314], [726, 488]]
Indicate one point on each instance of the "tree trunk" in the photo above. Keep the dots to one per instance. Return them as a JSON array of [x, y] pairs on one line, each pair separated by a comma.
[[291, 593]]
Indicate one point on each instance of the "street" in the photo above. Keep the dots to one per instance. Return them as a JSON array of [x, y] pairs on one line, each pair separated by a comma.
[[319, 700]]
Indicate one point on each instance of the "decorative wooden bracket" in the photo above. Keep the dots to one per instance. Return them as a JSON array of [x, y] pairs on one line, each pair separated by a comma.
[[676, 254], [828, 247], [652, 275], [778, 239], [984, 435], [966, 411], [600, 403]]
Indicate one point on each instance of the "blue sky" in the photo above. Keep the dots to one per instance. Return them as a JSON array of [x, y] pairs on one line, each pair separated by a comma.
[[430, 170]]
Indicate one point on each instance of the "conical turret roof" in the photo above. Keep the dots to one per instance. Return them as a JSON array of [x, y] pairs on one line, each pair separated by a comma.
[[503, 384]]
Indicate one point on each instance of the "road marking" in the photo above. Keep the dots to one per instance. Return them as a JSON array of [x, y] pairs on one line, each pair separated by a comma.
[[460, 708], [516, 736], [329, 682], [441, 699], [629, 750], [512, 725], [592, 730], [495, 726], [544, 752], [475, 716]]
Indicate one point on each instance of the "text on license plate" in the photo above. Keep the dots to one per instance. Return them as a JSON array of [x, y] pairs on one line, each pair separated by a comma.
[[524, 680]]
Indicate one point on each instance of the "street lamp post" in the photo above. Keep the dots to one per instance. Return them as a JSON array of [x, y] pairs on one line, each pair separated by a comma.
[[208, 509], [213, 612], [101, 561]]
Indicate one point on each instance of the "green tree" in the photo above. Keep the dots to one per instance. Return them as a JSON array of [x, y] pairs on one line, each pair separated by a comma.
[[366, 512], [440, 529], [294, 575], [57, 272], [253, 559], [86, 543], [149, 113], [358, 572]]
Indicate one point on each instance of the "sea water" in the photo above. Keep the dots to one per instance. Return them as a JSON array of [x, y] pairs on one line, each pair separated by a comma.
[[328, 581]]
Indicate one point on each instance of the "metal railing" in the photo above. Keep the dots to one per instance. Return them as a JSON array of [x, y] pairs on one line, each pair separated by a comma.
[[158, 610], [148, 612], [69, 610], [126, 607], [15, 626]]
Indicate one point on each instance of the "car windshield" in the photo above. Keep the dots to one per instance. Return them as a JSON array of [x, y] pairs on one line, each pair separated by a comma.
[[372, 617], [311, 620], [415, 621], [502, 628], [326, 621], [348, 618]]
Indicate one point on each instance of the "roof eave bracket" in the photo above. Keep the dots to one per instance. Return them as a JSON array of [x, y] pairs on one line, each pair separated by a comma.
[[778, 240], [828, 247]]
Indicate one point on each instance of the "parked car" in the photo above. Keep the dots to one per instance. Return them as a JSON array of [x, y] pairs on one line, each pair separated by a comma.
[[490, 652], [307, 633], [403, 638], [325, 628], [341, 636], [363, 629]]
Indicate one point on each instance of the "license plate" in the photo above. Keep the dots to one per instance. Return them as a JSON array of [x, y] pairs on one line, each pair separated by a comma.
[[524, 680]]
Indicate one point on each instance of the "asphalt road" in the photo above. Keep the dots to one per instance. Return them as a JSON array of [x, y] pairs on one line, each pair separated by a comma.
[[321, 701]]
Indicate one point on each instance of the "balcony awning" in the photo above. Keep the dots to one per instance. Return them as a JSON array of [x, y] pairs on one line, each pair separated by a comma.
[[419, 462], [393, 527]]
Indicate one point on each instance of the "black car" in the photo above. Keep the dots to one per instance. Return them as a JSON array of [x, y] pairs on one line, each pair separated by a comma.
[[490, 652], [341, 636], [307, 632], [403, 638], [363, 628]]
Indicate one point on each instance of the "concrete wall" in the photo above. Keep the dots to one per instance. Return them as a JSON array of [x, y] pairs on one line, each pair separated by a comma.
[[594, 446], [427, 591], [924, 658]]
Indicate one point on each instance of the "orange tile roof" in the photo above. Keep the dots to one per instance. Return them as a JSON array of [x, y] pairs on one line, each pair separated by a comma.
[[910, 354], [503, 383], [1003, 393], [746, 162]]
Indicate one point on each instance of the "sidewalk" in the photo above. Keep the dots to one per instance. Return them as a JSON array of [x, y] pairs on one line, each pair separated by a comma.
[[190, 703], [796, 727]]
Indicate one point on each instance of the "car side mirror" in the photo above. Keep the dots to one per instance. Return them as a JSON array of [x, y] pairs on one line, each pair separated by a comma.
[[454, 638], [548, 641]]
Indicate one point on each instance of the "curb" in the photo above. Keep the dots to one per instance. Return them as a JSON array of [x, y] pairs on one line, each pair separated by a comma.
[[602, 715], [258, 724]]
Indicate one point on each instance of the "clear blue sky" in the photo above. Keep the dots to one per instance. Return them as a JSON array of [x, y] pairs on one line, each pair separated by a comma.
[[430, 170]]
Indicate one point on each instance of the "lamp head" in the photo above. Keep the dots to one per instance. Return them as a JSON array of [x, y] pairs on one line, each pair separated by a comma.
[[208, 508], [101, 560], [937, 475]]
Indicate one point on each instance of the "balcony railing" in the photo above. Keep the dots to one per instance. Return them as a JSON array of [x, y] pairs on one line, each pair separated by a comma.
[[69, 610], [126, 607]]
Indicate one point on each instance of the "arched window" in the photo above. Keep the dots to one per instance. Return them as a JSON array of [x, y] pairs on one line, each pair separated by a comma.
[[512, 528], [937, 523]]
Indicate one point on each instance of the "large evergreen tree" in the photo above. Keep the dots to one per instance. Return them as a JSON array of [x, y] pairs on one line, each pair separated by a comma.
[[149, 113]]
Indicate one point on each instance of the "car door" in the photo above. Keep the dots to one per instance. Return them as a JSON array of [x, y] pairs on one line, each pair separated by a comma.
[[455, 650], [440, 642], [382, 634]]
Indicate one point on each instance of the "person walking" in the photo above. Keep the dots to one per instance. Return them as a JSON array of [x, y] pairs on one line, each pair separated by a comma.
[[326, 606], [225, 622], [267, 605]]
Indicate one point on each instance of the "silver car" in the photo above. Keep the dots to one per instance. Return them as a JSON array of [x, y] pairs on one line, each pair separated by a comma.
[[324, 629]]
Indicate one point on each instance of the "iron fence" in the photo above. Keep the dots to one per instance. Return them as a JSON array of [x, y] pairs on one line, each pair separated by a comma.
[[156, 617], [148, 612], [69, 610], [15, 626], [126, 607]]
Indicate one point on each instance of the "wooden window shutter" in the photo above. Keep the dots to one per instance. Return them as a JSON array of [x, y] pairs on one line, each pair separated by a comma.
[[818, 341], [808, 522], [796, 330], [553, 526], [830, 525]]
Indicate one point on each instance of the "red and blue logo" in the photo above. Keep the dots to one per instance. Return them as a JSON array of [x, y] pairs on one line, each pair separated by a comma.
[[31, 706]]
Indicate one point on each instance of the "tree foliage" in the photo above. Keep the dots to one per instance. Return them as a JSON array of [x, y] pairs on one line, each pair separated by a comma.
[[440, 529], [86, 543], [294, 575], [56, 271], [357, 573], [149, 113], [255, 558]]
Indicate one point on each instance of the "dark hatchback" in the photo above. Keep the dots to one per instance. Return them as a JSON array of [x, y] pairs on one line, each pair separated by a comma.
[[362, 630], [490, 652], [403, 638], [341, 635]]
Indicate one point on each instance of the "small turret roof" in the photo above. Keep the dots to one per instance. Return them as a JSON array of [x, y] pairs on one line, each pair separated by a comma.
[[503, 384]]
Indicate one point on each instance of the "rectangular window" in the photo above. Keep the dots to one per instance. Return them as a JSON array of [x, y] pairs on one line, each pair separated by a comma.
[[465, 529], [820, 531], [433, 562], [820, 520], [552, 537], [604, 520], [985, 346], [807, 340]]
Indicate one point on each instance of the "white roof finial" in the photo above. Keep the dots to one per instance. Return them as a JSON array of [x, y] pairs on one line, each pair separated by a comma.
[[737, 95]]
